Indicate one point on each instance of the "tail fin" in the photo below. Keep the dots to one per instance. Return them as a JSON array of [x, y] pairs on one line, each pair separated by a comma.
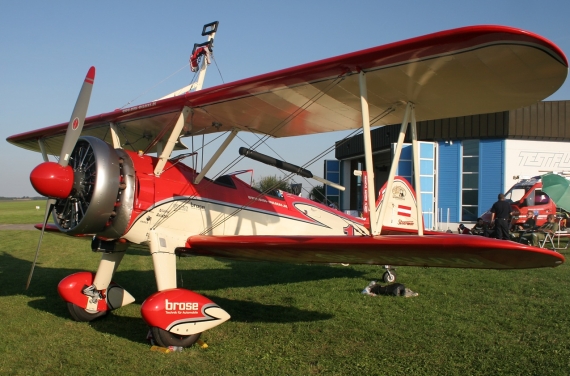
[[401, 210]]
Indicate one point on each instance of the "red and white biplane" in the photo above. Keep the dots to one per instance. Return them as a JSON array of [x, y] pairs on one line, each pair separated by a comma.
[[107, 186]]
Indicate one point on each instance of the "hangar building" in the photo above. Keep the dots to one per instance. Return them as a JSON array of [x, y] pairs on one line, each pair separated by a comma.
[[465, 161]]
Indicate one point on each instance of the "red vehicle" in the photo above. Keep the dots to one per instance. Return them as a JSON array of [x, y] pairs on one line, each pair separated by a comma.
[[525, 196]]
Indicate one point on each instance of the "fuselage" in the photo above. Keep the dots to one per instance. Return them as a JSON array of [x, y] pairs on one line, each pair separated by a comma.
[[224, 206]]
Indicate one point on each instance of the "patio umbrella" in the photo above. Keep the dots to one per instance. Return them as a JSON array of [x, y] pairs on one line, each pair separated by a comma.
[[558, 188]]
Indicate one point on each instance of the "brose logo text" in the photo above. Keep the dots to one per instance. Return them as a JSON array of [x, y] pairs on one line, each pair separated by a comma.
[[182, 306]]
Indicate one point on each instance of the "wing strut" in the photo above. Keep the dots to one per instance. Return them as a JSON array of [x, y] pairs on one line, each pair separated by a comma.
[[43, 149], [215, 156], [393, 167], [416, 167], [368, 151], [410, 112], [172, 140], [377, 221], [115, 136]]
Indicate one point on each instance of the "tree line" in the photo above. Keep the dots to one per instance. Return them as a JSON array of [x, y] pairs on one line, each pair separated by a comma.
[[271, 184]]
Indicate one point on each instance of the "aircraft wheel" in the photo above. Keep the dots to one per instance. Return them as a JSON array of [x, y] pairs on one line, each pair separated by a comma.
[[165, 338], [79, 314], [389, 277]]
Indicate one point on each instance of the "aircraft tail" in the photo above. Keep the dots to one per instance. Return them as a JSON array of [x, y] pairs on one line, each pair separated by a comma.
[[400, 211]]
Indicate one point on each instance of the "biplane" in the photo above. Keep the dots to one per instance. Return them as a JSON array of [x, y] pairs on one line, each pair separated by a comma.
[[117, 181]]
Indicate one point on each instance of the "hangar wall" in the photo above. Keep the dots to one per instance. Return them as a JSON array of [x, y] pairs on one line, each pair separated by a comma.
[[526, 141]]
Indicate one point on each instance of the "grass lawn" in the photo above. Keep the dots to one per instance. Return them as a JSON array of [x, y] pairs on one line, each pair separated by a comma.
[[287, 319], [21, 212]]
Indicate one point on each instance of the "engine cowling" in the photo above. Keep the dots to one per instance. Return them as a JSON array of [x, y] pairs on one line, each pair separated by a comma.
[[101, 199]]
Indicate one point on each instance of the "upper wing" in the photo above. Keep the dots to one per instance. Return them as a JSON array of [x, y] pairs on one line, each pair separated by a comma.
[[441, 250], [457, 72]]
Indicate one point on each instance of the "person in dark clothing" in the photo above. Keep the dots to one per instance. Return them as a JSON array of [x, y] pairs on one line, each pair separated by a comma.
[[530, 222], [525, 230], [463, 230], [480, 228], [500, 213]]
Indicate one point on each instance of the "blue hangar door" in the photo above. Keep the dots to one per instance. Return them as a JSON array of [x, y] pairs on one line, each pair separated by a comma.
[[427, 176]]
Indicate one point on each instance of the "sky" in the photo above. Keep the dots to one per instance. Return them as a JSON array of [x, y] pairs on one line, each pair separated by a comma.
[[141, 48]]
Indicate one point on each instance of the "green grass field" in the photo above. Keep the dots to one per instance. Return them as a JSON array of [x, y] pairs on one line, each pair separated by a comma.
[[19, 212], [286, 319]]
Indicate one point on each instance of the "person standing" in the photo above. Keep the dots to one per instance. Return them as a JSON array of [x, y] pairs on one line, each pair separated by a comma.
[[500, 213]]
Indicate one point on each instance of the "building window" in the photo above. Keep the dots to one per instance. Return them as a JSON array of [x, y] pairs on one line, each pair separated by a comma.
[[470, 181], [359, 166], [332, 173]]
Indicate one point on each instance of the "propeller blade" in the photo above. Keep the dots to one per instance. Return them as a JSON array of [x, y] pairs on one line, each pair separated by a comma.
[[49, 206], [77, 118]]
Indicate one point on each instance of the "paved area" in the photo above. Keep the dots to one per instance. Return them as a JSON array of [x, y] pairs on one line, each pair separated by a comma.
[[17, 227]]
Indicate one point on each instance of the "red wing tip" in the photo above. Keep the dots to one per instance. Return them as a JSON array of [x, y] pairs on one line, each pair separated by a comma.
[[90, 75]]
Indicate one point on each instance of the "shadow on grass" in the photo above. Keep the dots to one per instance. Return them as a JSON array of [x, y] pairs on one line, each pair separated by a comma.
[[131, 328], [134, 328], [236, 274], [251, 274], [141, 284]]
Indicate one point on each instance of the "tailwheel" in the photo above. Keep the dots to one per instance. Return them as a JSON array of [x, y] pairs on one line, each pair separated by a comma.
[[165, 338], [389, 275], [81, 315]]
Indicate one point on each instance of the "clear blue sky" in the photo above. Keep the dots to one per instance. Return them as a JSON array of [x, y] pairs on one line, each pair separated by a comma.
[[47, 47]]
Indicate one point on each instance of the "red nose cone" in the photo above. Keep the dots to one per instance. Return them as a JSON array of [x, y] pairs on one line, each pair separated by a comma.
[[52, 180]]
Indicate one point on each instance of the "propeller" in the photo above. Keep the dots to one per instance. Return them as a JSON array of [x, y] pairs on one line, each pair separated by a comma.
[[56, 180], [77, 118]]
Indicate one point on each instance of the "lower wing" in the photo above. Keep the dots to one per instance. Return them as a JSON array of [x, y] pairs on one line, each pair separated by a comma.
[[434, 249]]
